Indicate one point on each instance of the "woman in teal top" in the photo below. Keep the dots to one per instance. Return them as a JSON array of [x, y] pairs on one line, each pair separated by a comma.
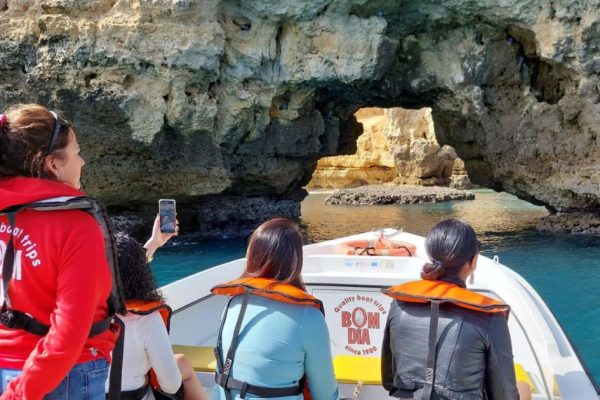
[[282, 338]]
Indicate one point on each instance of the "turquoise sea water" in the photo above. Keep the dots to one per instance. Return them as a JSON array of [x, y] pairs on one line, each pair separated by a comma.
[[564, 269]]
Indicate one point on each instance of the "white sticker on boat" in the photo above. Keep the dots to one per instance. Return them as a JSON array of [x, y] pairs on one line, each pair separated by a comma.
[[356, 319]]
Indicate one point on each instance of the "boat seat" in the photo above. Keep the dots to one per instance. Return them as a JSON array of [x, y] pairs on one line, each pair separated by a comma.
[[523, 376], [355, 369], [201, 357], [347, 368]]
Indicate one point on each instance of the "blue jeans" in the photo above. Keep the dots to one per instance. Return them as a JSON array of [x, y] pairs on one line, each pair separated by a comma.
[[84, 382]]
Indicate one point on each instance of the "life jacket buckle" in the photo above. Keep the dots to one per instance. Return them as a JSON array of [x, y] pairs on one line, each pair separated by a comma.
[[8, 319], [227, 367], [429, 375]]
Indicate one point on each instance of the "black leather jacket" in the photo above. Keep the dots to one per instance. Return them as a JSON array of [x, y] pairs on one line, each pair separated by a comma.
[[474, 353]]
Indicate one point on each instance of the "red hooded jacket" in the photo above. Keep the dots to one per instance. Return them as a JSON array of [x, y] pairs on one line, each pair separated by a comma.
[[62, 279]]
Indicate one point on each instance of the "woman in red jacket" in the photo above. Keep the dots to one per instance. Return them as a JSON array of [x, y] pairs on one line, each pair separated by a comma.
[[60, 279]]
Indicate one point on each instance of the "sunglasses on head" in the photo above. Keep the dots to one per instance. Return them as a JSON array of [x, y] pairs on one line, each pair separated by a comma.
[[58, 124]]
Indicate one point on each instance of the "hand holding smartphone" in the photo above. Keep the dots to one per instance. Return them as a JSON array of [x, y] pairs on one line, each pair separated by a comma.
[[164, 227], [167, 215]]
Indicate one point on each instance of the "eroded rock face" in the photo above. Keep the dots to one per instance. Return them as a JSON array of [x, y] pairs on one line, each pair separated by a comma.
[[372, 163], [419, 158], [397, 145], [192, 98]]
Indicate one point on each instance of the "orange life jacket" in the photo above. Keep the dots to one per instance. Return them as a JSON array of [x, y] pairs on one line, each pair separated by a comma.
[[145, 307], [270, 289], [424, 291], [435, 293]]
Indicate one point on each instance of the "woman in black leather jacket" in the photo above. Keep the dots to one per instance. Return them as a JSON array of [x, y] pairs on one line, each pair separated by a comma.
[[474, 357]]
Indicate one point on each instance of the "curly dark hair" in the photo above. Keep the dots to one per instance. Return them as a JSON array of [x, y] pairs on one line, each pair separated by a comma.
[[136, 276]]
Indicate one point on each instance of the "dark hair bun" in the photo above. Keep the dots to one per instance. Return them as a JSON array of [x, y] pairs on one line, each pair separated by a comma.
[[433, 270]]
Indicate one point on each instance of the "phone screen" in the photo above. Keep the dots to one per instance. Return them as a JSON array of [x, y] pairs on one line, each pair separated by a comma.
[[166, 212]]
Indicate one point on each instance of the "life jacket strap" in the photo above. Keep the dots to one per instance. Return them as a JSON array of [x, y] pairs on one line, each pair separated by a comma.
[[115, 302], [227, 365], [136, 394], [14, 319], [229, 383], [8, 262], [431, 350]]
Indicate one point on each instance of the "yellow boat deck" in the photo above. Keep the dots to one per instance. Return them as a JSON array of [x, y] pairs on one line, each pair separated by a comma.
[[348, 368]]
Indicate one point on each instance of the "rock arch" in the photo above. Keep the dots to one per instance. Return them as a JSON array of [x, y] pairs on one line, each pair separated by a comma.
[[397, 146], [239, 99]]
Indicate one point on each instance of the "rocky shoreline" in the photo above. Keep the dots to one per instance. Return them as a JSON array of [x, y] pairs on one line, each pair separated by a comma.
[[237, 216], [388, 194], [212, 217], [573, 222]]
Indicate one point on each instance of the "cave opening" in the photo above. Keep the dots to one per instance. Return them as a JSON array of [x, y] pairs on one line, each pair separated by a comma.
[[397, 146]]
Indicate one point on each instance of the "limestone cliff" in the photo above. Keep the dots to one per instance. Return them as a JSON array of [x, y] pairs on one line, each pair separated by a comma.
[[193, 98], [398, 146], [372, 162]]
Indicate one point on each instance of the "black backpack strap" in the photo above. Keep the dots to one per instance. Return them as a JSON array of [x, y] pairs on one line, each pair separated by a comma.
[[116, 367], [101, 326], [116, 300], [8, 263], [431, 350]]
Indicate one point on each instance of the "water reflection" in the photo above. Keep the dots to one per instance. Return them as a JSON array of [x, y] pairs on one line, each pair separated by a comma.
[[490, 214]]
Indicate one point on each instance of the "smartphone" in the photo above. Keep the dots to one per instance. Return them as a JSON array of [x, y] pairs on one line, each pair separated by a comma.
[[166, 214]]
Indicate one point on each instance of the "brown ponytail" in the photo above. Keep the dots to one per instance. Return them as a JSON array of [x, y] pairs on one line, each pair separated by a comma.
[[433, 270]]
